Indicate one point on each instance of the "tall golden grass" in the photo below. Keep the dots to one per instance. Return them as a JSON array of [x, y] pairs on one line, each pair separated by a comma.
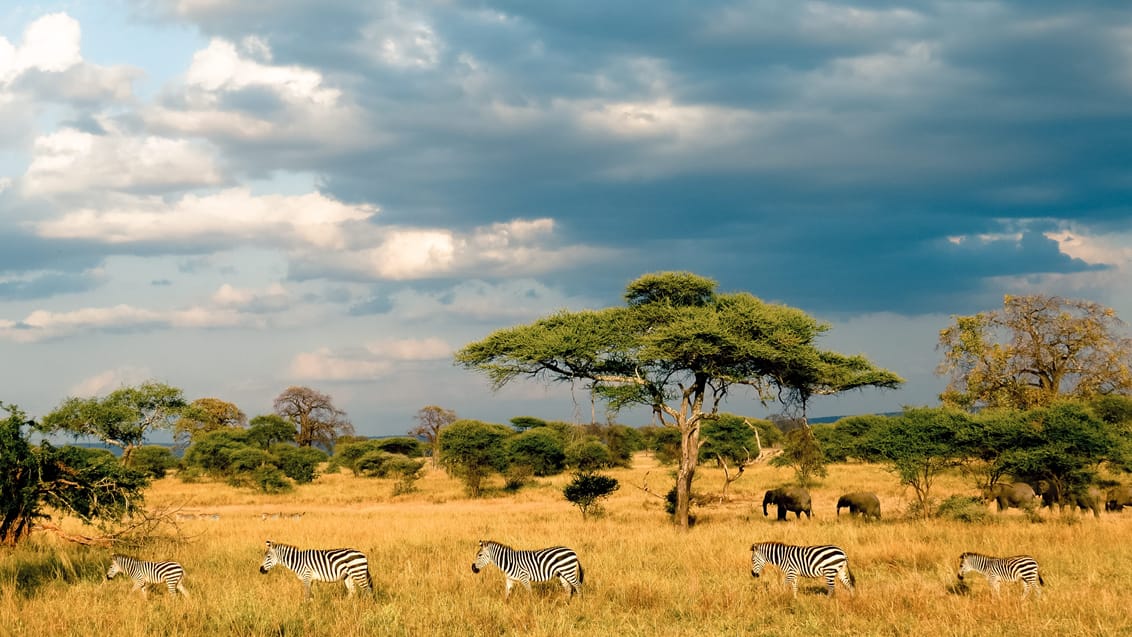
[[643, 576]]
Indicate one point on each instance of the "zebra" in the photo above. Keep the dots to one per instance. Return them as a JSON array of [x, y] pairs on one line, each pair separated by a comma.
[[171, 573], [808, 561], [525, 567], [330, 565], [1011, 569]]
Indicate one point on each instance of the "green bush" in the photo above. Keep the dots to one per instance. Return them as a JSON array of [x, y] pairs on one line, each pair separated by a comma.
[[153, 460], [298, 463], [587, 489], [588, 455], [538, 449], [270, 479]]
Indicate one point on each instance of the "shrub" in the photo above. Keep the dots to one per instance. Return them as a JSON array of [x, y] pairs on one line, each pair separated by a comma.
[[587, 489], [588, 455], [298, 463], [153, 460], [269, 479], [963, 509], [538, 449]]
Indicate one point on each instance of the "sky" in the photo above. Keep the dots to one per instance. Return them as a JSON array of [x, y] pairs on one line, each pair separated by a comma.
[[237, 196]]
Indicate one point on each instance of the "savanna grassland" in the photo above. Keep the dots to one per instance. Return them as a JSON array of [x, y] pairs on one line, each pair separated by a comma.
[[643, 576]]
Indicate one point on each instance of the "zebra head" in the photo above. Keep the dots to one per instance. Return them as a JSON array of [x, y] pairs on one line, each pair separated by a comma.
[[115, 567], [270, 558], [758, 560], [483, 557], [965, 565]]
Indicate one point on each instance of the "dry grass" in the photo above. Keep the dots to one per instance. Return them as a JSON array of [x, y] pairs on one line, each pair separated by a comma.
[[643, 577]]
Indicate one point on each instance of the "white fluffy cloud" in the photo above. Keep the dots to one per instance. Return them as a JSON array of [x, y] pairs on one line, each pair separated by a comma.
[[49, 62], [373, 361], [42, 325], [109, 380], [232, 215], [308, 111], [72, 161]]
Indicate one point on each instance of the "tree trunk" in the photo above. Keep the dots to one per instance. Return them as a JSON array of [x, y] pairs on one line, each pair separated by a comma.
[[689, 455]]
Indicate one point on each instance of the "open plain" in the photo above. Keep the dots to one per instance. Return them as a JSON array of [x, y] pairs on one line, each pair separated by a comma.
[[643, 576]]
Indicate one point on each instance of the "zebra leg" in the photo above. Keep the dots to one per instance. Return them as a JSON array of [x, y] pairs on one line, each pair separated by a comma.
[[830, 582], [181, 589], [507, 592], [792, 582], [349, 586], [139, 585], [307, 586], [994, 584], [566, 586], [843, 573]]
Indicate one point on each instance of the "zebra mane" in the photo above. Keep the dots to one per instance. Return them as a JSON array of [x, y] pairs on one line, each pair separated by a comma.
[[494, 543]]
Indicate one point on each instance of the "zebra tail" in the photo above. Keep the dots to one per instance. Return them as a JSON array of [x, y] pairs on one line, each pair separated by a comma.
[[852, 578], [1040, 580], [581, 574]]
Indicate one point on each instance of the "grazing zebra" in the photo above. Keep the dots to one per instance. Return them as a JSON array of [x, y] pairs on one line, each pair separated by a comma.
[[808, 561], [1011, 569], [331, 565], [525, 567], [171, 573]]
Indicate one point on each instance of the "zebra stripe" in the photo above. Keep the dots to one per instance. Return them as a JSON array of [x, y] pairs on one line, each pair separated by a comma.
[[808, 561], [169, 573], [525, 567], [1011, 569], [331, 565]]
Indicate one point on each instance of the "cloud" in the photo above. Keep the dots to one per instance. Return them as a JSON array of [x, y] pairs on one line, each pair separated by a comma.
[[69, 161], [371, 362], [44, 325], [273, 299], [110, 380]]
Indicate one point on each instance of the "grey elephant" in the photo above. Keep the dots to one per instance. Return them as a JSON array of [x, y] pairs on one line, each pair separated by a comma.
[[788, 499], [1018, 495], [1118, 498], [1091, 499], [1051, 494], [860, 502]]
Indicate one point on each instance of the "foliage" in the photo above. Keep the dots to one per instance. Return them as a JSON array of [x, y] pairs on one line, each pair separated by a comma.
[[677, 347], [270, 479], [522, 423], [663, 442], [845, 438], [317, 420], [587, 489], [471, 450], [1113, 410], [207, 414], [297, 463], [402, 445], [730, 437], [1033, 351], [539, 449], [621, 440], [430, 420], [918, 446], [269, 429], [121, 419], [348, 454], [588, 454], [963, 508], [90, 484], [1067, 446], [802, 452], [154, 460]]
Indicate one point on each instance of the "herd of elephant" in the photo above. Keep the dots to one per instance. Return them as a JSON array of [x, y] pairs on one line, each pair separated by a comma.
[[1007, 495], [797, 499], [1021, 495]]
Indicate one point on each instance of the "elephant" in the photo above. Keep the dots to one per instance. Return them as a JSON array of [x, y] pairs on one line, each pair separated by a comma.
[[788, 499], [1091, 499], [1118, 498], [1051, 494], [860, 502], [1018, 495]]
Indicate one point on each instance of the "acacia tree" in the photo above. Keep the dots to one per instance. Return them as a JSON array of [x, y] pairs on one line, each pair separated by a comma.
[[677, 348], [207, 414], [430, 420], [1034, 350], [316, 419], [122, 419], [918, 446]]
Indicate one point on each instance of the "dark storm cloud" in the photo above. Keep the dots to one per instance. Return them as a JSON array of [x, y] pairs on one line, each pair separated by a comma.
[[877, 134]]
